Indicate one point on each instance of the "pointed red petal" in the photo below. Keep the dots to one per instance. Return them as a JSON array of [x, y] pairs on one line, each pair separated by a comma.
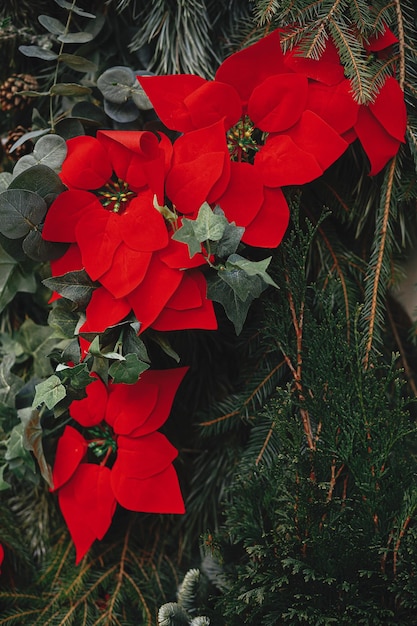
[[168, 95], [250, 67], [389, 109], [381, 41], [176, 255], [86, 165], [104, 310], [150, 297], [160, 493], [212, 102], [188, 307], [129, 406], [281, 162], [65, 213], [87, 504], [269, 225], [127, 271], [98, 237], [70, 451], [90, 411], [143, 478], [313, 135], [243, 197], [379, 146], [335, 105], [278, 102], [167, 382], [141, 226], [197, 176]]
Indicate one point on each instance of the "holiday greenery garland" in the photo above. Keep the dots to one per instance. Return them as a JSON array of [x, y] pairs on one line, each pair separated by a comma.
[[143, 231]]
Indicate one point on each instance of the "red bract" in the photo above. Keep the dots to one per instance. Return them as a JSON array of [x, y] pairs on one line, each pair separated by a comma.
[[141, 478], [108, 209], [1, 555]]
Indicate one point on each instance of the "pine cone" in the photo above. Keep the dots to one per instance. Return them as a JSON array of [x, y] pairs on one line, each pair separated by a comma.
[[10, 98], [12, 137]]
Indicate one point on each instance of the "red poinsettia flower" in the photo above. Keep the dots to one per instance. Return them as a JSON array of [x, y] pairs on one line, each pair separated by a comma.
[[1, 555], [108, 209], [142, 478], [256, 111]]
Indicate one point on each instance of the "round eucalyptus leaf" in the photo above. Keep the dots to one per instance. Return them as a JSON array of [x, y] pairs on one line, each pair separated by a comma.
[[140, 98], [40, 179], [49, 150], [123, 113], [69, 127], [38, 249], [21, 210], [5, 180], [88, 113], [116, 84]]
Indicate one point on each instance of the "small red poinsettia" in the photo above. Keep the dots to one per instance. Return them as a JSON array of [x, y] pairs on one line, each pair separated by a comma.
[[108, 209], [1, 555], [121, 424]]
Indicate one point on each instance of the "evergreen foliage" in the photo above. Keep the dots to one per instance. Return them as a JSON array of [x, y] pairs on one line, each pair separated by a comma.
[[297, 438]]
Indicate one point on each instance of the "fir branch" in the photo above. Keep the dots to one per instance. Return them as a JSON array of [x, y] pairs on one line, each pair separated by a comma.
[[375, 286]]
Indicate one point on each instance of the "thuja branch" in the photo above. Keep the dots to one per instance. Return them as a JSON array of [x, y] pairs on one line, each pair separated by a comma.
[[296, 370]]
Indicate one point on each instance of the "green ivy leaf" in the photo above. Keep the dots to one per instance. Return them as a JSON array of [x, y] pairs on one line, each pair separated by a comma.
[[231, 238], [13, 279], [16, 454], [3, 483], [10, 384], [78, 376], [208, 226], [37, 341], [132, 344], [235, 291], [129, 370], [63, 320], [252, 268], [75, 286], [20, 211], [49, 392], [32, 441]]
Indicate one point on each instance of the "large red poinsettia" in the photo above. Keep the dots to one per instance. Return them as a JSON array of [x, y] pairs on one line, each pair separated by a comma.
[[121, 424], [108, 209], [287, 116]]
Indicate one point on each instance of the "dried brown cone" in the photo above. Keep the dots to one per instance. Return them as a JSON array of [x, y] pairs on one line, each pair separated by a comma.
[[11, 97], [13, 136]]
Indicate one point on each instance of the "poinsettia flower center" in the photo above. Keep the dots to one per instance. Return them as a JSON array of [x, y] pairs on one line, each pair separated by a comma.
[[115, 195], [243, 140], [103, 445]]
